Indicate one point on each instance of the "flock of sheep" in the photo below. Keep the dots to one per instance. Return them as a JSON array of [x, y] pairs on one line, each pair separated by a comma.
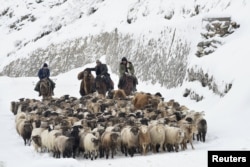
[[92, 127]]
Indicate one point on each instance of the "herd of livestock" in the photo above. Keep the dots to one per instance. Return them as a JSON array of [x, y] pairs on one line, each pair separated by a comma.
[[92, 127]]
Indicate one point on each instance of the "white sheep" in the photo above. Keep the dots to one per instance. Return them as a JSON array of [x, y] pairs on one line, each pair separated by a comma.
[[83, 132], [91, 145], [173, 137], [20, 115], [157, 135], [63, 146], [190, 130], [129, 140], [36, 139], [51, 139], [24, 129], [45, 139]]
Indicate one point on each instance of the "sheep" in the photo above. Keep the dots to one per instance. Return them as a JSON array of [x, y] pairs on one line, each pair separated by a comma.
[[91, 145], [157, 135], [117, 94], [115, 128], [202, 129], [18, 107], [189, 131], [51, 139], [173, 137], [140, 100], [82, 135], [20, 115], [144, 121], [129, 140], [107, 118], [93, 107], [195, 116], [109, 141], [63, 146], [36, 139], [14, 107], [72, 120], [44, 140], [75, 134], [24, 129], [144, 139]]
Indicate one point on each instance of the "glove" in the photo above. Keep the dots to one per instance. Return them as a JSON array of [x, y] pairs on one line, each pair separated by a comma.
[[126, 73], [102, 76]]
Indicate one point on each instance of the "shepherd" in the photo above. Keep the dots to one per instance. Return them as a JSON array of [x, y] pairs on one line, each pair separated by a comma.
[[44, 73], [101, 70], [126, 68]]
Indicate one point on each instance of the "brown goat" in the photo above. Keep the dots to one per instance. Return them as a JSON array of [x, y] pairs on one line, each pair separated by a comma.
[[142, 100], [109, 141], [144, 139], [117, 94]]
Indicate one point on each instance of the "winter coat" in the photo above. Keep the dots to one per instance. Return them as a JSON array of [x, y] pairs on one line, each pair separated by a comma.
[[101, 69], [128, 67], [44, 73]]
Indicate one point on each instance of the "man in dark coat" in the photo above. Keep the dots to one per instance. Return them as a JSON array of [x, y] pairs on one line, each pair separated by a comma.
[[102, 70], [44, 72], [126, 67]]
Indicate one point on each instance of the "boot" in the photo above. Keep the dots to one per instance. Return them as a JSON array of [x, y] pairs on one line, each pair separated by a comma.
[[94, 87], [120, 84], [108, 86], [134, 88], [37, 87], [111, 84], [53, 85]]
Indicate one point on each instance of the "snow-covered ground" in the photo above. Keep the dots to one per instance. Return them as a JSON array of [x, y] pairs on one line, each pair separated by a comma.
[[227, 125]]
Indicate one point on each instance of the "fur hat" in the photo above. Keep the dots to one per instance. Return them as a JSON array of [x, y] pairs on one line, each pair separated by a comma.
[[45, 65], [98, 61], [124, 59]]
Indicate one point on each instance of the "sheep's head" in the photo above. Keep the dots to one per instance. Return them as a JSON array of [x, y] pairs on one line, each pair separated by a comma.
[[114, 137], [95, 141], [27, 125], [37, 140], [134, 130]]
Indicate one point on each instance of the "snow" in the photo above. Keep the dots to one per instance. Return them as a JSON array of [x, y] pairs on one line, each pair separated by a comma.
[[227, 116]]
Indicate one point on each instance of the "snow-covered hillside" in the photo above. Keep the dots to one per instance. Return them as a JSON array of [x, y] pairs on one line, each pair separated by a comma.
[[160, 37], [171, 43]]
